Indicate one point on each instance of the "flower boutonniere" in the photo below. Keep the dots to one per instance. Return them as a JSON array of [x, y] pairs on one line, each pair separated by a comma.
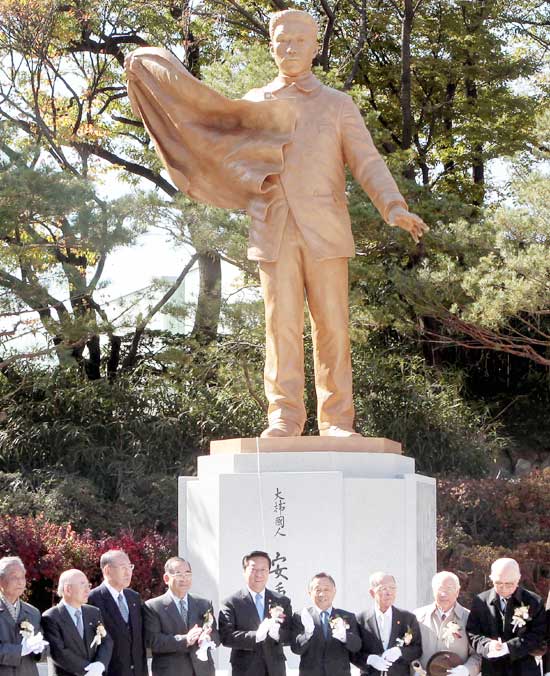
[[520, 618], [26, 629], [406, 640], [100, 633], [337, 622], [277, 613], [450, 632], [208, 619]]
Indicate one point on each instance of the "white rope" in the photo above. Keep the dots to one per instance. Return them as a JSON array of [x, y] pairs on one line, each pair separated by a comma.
[[260, 494]]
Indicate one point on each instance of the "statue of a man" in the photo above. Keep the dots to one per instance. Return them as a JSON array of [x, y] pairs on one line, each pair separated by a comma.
[[288, 155]]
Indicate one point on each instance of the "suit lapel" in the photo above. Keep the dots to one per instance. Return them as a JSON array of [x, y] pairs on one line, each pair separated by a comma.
[[192, 611], [247, 599], [134, 609], [373, 625], [6, 614], [112, 609], [174, 614], [396, 628], [67, 621]]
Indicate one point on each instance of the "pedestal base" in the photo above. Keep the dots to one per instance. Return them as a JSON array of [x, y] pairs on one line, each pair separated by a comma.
[[346, 513]]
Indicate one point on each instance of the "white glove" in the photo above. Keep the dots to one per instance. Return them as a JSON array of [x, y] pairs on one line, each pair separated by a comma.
[[378, 662], [36, 643], [204, 644], [460, 670], [95, 668], [392, 654], [340, 632], [263, 630], [26, 647], [274, 630], [307, 621]]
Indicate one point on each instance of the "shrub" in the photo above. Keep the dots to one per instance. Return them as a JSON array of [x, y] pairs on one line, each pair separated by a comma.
[[47, 549]]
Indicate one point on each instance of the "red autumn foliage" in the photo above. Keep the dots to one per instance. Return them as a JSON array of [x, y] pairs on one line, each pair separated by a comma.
[[483, 519], [47, 549]]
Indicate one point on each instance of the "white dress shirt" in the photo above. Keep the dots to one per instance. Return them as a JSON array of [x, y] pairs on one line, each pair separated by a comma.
[[384, 621]]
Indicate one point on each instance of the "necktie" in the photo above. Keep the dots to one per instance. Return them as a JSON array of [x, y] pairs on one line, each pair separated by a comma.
[[259, 605], [79, 625], [443, 618], [183, 609], [123, 607], [324, 623], [503, 605]]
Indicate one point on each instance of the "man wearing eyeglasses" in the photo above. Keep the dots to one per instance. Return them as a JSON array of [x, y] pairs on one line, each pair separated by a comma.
[[390, 637], [507, 624], [180, 627], [79, 642], [121, 609]]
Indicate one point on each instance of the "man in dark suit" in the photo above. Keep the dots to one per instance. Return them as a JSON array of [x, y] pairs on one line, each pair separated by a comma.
[[506, 624], [21, 642], [180, 628], [390, 637], [121, 609], [255, 622], [325, 637], [79, 642]]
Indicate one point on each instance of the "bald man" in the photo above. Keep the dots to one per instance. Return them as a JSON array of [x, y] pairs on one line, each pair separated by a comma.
[[79, 643], [443, 626], [506, 624]]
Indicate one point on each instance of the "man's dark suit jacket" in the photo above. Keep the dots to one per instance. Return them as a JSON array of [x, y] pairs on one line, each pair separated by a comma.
[[11, 662], [322, 656], [371, 643], [70, 654], [238, 622], [486, 623], [163, 622], [128, 658]]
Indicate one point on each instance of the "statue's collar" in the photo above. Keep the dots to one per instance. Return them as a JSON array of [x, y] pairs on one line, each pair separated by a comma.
[[305, 83]]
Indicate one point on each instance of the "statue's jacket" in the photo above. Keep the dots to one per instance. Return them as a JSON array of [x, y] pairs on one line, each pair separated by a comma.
[[284, 147]]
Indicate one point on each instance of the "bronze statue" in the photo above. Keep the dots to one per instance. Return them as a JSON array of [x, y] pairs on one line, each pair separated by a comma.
[[280, 154]]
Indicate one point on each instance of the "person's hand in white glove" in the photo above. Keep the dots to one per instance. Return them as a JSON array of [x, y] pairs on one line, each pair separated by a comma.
[[378, 662], [460, 670], [205, 642], [263, 629], [273, 631], [95, 668], [307, 621], [26, 646], [392, 654], [339, 632], [37, 643]]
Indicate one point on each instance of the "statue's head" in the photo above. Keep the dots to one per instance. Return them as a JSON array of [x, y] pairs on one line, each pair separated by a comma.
[[293, 36]]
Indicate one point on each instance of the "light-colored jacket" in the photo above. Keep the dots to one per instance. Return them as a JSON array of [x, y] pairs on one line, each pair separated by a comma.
[[330, 134], [433, 641]]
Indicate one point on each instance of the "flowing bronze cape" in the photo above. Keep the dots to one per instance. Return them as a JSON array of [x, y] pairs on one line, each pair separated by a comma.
[[216, 150]]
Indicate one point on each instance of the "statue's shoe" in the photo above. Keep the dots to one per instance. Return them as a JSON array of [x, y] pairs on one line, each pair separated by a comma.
[[335, 431], [282, 429]]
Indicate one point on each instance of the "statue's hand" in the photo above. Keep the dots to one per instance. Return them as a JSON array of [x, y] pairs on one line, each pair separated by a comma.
[[412, 223]]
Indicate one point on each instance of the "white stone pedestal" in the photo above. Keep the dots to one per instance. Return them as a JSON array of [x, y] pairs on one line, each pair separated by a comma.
[[346, 513]]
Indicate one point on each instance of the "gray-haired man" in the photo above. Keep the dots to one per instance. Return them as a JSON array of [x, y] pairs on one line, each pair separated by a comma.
[[21, 642]]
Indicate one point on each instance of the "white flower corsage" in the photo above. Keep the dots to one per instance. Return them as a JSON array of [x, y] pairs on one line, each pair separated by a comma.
[[338, 622], [520, 618], [26, 629], [277, 613], [100, 633], [406, 640], [449, 632]]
